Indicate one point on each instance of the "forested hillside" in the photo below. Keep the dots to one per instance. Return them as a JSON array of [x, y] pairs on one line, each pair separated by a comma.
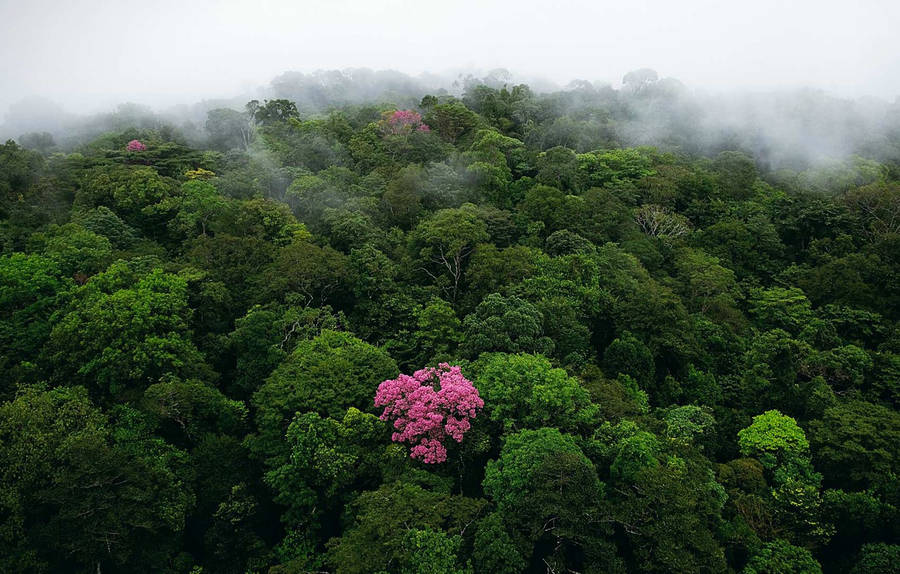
[[451, 335]]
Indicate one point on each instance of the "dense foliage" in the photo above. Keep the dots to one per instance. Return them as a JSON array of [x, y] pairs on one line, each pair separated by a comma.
[[662, 361]]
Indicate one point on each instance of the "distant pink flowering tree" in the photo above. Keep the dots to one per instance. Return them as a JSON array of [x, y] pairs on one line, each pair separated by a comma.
[[135, 145], [428, 407], [402, 122]]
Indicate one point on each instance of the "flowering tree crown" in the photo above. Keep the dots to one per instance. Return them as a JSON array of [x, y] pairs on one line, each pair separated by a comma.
[[428, 407], [402, 122], [135, 145]]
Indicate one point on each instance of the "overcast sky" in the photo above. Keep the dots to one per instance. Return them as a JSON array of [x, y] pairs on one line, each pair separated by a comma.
[[89, 54]]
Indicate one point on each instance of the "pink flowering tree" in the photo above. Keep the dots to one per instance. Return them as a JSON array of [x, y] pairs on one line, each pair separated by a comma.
[[402, 122], [135, 145], [428, 407]]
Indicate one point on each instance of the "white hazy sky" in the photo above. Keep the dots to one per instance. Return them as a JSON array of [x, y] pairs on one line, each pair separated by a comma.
[[89, 54]]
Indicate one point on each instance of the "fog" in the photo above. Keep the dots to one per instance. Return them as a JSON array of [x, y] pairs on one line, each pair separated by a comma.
[[87, 56]]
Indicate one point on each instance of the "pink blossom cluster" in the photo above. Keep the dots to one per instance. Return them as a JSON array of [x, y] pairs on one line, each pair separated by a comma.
[[427, 407], [135, 145], [401, 122]]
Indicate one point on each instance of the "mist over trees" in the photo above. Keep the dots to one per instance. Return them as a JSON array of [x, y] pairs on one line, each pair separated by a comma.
[[364, 322], [790, 128]]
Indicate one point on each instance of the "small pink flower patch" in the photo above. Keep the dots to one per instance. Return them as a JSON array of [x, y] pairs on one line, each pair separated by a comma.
[[428, 407], [135, 145]]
